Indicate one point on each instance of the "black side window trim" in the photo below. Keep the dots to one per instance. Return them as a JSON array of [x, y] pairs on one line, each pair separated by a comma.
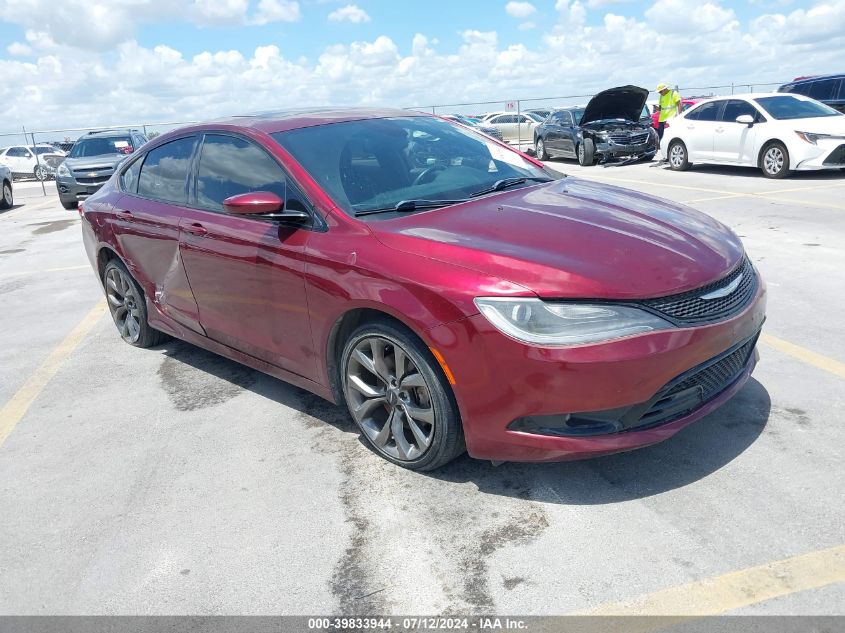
[[317, 223]]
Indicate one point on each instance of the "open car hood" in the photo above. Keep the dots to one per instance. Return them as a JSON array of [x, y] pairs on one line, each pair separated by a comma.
[[624, 102]]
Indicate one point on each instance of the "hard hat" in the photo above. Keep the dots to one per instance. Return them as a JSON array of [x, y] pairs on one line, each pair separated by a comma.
[[661, 86]]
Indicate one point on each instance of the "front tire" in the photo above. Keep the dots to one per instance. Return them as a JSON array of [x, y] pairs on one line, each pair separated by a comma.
[[40, 172], [586, 152], [774, 160], [7, 199], [128, 307], [70, 204], [399, 397], [540, 149], [678, 156]]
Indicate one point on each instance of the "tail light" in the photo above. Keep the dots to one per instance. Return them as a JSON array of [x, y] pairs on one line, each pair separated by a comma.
[[80, 209]]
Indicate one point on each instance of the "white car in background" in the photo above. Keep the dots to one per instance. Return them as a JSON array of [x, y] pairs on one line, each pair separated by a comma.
[[21, 159], [776, 132], [6, 199], [514, 126]]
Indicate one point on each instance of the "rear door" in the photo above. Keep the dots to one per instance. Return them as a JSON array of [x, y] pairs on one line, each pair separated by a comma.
[[247, 273], [146, 227], [735, 142], [700, 129]]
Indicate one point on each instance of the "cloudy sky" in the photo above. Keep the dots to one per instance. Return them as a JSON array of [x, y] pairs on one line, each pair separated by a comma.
[[101, 62]]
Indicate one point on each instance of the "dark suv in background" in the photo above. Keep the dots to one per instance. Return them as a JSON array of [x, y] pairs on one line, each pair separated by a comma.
[[92, 161], [829, 89]]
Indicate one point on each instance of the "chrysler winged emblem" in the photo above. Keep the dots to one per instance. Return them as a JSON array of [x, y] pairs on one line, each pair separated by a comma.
[[724, 291]]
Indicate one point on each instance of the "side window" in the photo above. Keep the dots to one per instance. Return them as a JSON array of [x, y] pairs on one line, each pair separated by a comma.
[[165, 170], [497, 119], [129, 177], [802, 89], [709, 111], [16, 152], [824, 89], [735, 108], [230, 166]]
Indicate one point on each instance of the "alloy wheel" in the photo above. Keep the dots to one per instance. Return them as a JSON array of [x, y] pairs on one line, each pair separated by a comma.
[[389, 398], [677, 156], [124, 304], [541, 149], [773, 160], [7, 194], [40, 173], [581, 153]]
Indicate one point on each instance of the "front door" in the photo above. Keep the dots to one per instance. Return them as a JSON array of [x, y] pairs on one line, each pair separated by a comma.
[[734, 142], [247, 273]]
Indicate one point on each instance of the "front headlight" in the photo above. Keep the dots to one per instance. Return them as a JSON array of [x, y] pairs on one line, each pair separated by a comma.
[[63, 171], [813, 137], [544, 323]]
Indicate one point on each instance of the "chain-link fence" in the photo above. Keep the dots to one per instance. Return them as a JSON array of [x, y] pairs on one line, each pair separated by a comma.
[[45, 163]]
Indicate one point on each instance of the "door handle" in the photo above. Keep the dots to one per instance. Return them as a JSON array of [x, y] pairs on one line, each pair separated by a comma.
[[196, 229], [720, 130], [127, 215]]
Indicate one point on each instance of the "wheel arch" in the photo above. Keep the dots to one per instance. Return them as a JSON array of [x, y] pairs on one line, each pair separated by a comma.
[[766, 144], [343, 327]]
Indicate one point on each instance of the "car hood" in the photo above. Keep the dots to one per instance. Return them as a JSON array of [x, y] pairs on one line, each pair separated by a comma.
[[821, 125], [573, 239], [94, 162], [624, 102]]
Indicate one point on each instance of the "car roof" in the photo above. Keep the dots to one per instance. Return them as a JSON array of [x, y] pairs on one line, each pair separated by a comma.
[[802, 80], [283, 120]]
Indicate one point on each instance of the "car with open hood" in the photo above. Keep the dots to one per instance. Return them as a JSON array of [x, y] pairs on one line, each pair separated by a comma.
[[615, 126], [450, 292], [32, 161]]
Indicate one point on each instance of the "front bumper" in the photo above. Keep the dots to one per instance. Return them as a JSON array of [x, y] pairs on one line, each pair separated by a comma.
[[611, 150], [827, 154], [71, 190], [500, 381]]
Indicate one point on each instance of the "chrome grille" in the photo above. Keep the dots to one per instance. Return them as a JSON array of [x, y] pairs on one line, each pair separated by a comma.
[[690, 308]]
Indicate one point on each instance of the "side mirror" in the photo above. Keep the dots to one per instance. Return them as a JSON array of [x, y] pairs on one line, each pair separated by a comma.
[[264, 203], [745, 119]]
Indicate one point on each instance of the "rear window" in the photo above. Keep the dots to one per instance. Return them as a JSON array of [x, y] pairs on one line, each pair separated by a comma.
[[100, 146], [786, 107]]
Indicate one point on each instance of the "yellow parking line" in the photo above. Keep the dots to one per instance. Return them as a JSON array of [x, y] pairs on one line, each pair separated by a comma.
[[16, 408], [45, 270], [660, 184], [734, 590], [815, 359], [808, 203]]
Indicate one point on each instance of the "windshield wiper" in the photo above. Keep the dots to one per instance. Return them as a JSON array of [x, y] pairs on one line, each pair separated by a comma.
[[409, 205], [499, 185]]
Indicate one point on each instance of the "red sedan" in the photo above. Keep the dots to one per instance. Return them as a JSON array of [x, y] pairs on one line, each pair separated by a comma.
[[453, 293]]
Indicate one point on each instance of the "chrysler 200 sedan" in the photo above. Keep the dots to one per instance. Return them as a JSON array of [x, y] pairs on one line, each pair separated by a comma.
[[453, 293]]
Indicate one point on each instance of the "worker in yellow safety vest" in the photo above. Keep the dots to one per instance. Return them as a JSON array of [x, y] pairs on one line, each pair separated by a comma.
[[670, 105]]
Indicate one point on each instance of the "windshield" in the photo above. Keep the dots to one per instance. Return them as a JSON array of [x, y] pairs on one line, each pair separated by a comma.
[[100, 146], [788, 107], [379, 163]]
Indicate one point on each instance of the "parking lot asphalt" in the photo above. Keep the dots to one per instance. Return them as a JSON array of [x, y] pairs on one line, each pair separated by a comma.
[[172, 481]]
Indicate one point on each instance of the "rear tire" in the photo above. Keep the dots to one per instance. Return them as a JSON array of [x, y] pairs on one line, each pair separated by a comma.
[[677, 156], [586, 152], [128, 307], [774, 160], [397, 394], [540, 149], [7, 199]]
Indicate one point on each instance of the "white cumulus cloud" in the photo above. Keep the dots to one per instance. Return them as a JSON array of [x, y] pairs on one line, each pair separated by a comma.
[[520, 9], [350, 13]]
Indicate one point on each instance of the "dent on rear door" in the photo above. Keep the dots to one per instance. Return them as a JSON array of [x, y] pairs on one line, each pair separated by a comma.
[[148, 235]]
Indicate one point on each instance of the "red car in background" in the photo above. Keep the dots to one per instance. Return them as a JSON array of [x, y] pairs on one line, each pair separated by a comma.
[[686, 104], [451, 292]]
